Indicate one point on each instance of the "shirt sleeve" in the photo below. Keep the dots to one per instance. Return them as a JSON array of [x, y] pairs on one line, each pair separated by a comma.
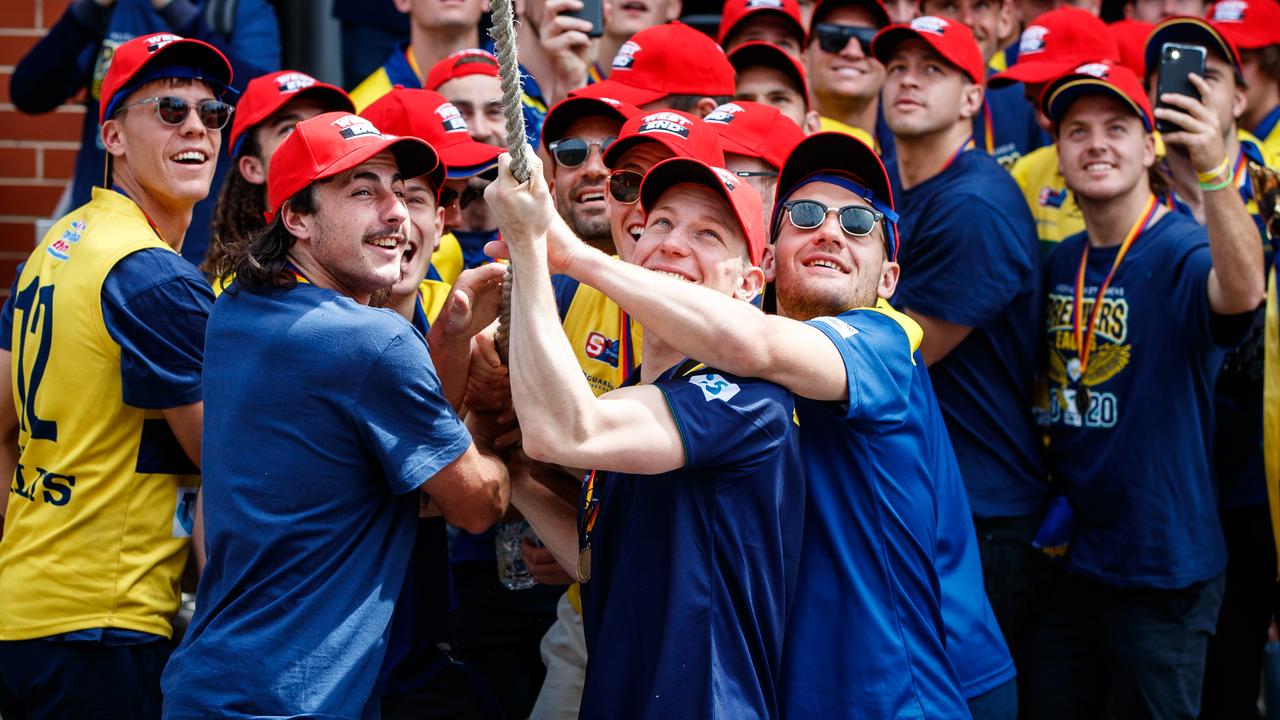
[[1190, 292], [727, 421], [406, 423], [6, 313], [877, 366], [969, 261], [156, 306]]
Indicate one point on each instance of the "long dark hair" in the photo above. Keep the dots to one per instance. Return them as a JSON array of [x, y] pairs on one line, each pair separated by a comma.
[[260, 260], [238, 212]]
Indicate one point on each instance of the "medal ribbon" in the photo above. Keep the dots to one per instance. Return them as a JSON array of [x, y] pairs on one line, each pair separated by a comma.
[[1084, 335]]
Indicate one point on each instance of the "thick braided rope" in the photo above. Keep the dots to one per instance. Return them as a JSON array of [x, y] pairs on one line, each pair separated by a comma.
[[503, 33]]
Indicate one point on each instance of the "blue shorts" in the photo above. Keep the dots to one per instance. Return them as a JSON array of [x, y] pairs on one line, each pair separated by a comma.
[[81, 679]]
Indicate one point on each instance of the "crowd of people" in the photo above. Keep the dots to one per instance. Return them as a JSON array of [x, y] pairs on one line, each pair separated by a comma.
[[861, 360]]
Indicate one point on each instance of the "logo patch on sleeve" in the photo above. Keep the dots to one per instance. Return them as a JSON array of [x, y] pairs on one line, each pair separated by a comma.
[[845, 330], [715, 387]]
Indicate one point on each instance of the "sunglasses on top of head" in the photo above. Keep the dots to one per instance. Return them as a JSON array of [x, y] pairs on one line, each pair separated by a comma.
[[573, 151], [173, 110], [833, 37], [855, 220]]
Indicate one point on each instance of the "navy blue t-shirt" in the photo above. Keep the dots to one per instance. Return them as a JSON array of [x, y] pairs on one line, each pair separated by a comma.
[[1136, 462], [867, 637], [326, 416], [970, 256], [693, 570]]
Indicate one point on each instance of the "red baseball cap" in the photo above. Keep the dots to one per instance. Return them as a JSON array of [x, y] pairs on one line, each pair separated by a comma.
[[735, 11], [950, 39], [1131, 39], [427, 115], [1248, 24], [268, 93], [156, 56], [875, 7], [667, 59], [845, 160], [747, 205], [1055, 43], [682, 133], [332, 143], [462, 63], [756, 130], [564, 113], [758, 52], [1191, 31], [1113, 80]]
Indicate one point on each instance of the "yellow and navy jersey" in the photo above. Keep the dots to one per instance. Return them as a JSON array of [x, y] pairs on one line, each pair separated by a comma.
[[446, 260], [431, 297], [827, 124], [1052, 205], [107, 327], [1251, 149], [1268, 132], [604, 339]]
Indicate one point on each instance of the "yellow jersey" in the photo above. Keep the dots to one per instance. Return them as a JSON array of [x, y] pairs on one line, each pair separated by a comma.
[[97, 530], [827, 124], [604, 339]]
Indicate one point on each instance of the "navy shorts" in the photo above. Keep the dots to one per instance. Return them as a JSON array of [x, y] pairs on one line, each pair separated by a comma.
[[81, 679]]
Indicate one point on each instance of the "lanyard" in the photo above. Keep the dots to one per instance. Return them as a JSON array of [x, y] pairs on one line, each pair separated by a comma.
[[1238, 179], [964, 148], [989, 136], [626, 351], [1084, 344]]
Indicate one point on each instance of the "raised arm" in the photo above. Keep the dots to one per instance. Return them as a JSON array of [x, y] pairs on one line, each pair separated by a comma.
[[562, 421]]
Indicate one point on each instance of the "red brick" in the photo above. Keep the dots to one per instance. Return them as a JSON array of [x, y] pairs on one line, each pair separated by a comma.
[[57, 125], [17, 236], [51, 10], [29, 199], [58, 164], [18, 13], [17, 162], [14, 47], [4, 88]]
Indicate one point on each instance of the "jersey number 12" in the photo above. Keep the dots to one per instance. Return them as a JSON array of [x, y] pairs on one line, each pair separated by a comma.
[[36, 305]]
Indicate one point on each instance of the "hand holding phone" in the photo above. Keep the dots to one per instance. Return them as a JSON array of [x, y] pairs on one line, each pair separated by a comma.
[[593, 12], [1177, 63]]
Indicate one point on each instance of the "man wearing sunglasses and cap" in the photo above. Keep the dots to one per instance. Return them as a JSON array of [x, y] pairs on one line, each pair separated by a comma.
[[845, 78], [309, 533], [104, 344], [690, 528], [1141, 308]]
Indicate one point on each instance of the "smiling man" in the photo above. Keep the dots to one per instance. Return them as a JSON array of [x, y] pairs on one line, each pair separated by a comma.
[[309, 532], [844, 77], [103, 345]]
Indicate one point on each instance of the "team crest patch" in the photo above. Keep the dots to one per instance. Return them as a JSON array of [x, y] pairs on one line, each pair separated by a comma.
[[626, 56], [60, 248], [665, 122], [1032, 40], [354, 126], [1098, 70], [1052, 197], [930, 24], [601, 348], [724, 114], [451, 119], [155, 42], [292, 82], [184, 513], [715, 387], [844, 329], [1230, 11], [764, 4]]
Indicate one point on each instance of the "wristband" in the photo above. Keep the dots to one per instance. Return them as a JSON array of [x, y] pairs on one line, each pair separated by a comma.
[[1207, 187], [1208, 175]]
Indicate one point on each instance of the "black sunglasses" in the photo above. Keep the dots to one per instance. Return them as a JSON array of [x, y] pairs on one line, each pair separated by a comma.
[[213, 114], [855, 220], [624, 186], [833, 38], [573, 151], [449, 196]]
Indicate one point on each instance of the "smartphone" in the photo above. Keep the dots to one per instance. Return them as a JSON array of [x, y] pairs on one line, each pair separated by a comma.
[[1177, 62], [593, 12]]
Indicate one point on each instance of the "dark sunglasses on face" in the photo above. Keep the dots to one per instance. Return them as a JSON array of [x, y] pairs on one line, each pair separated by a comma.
[[833, 38], [449, 196], [855, 220], [624, 186], [213, 114], [573, 151]]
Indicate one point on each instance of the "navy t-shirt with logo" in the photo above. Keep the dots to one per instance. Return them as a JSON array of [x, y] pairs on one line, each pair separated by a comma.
[[693, 570], [1134, 457], [970, 256]]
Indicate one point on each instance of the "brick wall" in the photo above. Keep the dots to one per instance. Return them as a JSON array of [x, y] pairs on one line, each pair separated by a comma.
[[37, 153]]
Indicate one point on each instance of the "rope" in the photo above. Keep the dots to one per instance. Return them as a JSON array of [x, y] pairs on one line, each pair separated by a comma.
[[503, 33]]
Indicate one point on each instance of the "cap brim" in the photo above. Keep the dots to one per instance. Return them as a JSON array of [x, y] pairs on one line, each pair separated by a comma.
[[1059, 97], [414, 158], [615, 151], [333, 99], [564, 113], [1030, 72], [835, 152], [725, 32], [185, 52], [884, 43], [628, 94], [1191, 31], [875, 7], [676, 171], [1245, 37], [763, 53]]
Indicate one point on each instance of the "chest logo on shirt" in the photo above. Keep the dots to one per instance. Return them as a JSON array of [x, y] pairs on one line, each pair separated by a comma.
[[1109, 357], [61, 247], [845, 330], [715, 387], [599, 347], [1052, 197]]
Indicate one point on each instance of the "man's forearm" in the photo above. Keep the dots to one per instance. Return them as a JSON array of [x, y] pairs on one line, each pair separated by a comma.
[[451, 356], [1236, 249], [551, 516]]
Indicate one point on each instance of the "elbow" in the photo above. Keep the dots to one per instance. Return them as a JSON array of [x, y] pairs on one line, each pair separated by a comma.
[[539, 444], [1246, 299], [486, 508]]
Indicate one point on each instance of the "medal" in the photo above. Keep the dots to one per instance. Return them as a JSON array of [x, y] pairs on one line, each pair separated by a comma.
[[584, 564], [1082, 399]]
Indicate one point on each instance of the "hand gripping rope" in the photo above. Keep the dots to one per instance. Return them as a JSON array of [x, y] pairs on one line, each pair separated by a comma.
[[503, 33]]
